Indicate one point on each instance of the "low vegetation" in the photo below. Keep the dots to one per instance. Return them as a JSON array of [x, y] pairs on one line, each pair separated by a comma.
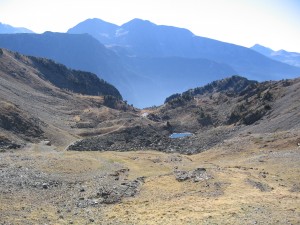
[[239, 165]]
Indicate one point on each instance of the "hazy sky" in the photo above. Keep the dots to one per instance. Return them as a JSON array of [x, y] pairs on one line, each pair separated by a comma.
[[272, 23]]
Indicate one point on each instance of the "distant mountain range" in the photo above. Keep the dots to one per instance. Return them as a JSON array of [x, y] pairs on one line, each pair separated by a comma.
[[291, 58], [142, 38], [142, 81], [147, 62], [8, 29]]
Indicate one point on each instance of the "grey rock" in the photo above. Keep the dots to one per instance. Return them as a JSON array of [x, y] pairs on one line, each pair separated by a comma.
[[199, 174], [45, 185]]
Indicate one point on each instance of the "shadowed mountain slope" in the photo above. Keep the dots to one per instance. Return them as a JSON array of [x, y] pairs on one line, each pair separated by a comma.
[[81, 52], [99, 29], [140, 80], [146, 39], [73, 80], [212, 113], [147, 62], [33, 108], [75, 51]]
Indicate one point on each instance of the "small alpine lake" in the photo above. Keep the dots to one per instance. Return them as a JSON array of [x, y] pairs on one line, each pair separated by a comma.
[[180, 135]]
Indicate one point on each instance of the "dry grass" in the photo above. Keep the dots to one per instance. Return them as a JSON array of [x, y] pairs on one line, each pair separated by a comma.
[[228, 198]]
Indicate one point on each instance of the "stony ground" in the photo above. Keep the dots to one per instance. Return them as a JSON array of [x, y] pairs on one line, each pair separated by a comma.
[[148, 137], [249, 179]]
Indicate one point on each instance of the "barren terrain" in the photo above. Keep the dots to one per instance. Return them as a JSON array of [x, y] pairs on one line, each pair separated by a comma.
[[240, 166], [249, 179]]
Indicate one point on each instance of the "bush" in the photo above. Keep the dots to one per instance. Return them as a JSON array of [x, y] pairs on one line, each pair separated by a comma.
[[268, 96], [110, 101], [203, 118], [169, 99]]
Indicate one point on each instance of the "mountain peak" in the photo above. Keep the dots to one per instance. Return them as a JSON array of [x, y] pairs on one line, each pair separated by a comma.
[[291, 58], [262, 49], [95, 22], [138, 22], [8, 29], [99, 29]]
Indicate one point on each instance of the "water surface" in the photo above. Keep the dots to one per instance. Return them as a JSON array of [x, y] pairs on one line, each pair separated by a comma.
[[180, 135]]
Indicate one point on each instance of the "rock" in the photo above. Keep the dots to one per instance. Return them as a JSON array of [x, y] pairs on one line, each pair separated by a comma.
[[259, 185], [94, 202], [200, 174], [295, 188], [48, 143], [111, 195], [263, 174], [45, 185], [197, 175], [181, 175]]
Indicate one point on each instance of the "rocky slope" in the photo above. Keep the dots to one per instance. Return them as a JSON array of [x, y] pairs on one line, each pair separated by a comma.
[[234, 100], [213, 113], [33, 108], [248, 173]]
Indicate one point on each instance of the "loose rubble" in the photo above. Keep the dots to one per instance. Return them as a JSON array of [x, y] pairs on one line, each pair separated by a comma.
[[145, 138], [197, 175]]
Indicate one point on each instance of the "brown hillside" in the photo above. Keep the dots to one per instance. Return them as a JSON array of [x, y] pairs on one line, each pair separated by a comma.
[[249, 173], [32, 108], [213, 113]]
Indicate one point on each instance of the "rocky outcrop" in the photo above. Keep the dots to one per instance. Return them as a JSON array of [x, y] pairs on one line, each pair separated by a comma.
[[199, 174], [73, 80], [7, 144], [151, 138], [14, 120]]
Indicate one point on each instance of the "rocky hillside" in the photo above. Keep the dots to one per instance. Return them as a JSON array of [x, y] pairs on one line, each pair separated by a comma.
[[59, 75], [73, 80], [34, 108], [43, 100], [213, 113], [231, 101]]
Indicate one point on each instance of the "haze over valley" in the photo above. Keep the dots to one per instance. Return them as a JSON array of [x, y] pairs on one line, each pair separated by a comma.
[[147, 62]]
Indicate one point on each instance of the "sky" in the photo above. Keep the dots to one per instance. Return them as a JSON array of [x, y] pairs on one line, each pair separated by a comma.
[[272, 23]]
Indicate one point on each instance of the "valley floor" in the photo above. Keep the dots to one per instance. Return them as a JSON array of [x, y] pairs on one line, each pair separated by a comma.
[[249, 179]]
